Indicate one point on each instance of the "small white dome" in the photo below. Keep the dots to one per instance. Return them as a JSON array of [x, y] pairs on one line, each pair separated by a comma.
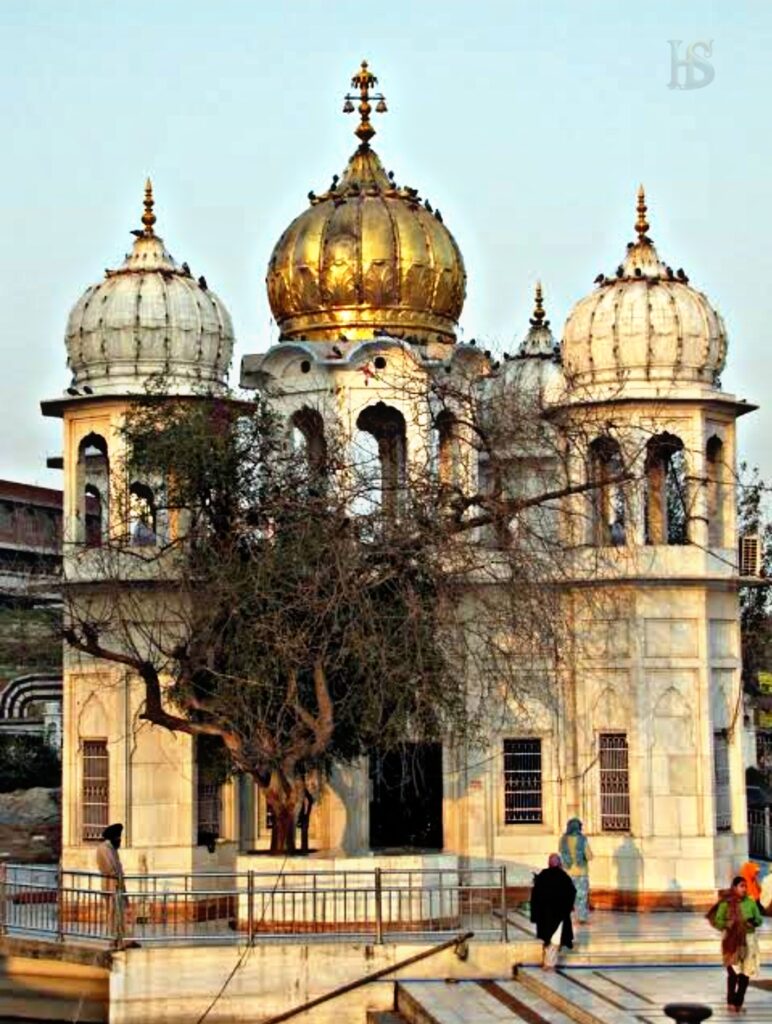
[[148, 318], [536, 367], [645, 324]]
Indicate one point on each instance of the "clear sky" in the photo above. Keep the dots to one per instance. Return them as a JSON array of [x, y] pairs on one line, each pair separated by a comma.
[[529, 124]]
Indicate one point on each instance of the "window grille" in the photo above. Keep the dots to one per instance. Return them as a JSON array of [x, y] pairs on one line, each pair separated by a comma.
[[750, 555], [522, 782], [721, 779], [96, 789], [614, 783], [764, 749], [208, 807]]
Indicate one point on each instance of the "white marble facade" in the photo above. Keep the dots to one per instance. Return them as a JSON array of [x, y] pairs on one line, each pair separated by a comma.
[[654, 659]]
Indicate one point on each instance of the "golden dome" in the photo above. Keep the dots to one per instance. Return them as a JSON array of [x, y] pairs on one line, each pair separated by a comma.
[[367, 255]]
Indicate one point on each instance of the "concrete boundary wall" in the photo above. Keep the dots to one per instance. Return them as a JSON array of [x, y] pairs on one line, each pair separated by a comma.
[[175, 985]]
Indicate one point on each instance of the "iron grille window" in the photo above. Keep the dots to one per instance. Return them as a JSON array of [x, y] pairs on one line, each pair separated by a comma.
[[209, 807], [721, 780], [522, 782], [764, 749], [614, 783], [96, 789]]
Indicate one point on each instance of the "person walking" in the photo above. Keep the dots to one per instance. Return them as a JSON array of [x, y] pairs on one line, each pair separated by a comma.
[[738, 917], [575, 855], [552, 901], [113, 883]]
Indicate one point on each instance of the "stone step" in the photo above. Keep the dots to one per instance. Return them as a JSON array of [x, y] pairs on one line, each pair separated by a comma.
[[574, 999], [384, 1017], [628, 994], [408, 999], [475, 1002], [521, 1000], [640, 957]]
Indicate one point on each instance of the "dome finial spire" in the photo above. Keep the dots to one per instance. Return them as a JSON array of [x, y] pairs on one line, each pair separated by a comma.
[[641, 224], [148, 217], [364, 80], [538, 308]]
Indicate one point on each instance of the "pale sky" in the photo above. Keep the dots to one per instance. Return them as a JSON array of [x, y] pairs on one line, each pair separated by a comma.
[[529, 125]]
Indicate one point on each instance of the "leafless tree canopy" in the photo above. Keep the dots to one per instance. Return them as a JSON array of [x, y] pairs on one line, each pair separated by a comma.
[[305, 605]]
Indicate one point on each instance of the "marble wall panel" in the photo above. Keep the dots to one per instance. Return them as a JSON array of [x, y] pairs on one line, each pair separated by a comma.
[[723, 637], [670, 638]]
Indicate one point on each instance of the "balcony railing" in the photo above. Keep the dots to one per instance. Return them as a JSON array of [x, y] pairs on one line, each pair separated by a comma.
[[759, 833], [372, 906]]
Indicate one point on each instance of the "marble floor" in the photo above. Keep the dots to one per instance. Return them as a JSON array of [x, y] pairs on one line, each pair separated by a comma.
[[643, 992], [609, 996], [652, 937]]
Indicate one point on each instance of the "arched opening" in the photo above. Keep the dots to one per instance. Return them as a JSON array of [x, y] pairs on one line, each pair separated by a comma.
[[716, 483], [93, 491], [384, 478], [609, 513], [447, 448], [143, 515], [666, 510], [307, 434]]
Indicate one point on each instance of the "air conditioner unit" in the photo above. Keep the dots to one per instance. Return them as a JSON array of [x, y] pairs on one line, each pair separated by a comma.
[[750, 555]]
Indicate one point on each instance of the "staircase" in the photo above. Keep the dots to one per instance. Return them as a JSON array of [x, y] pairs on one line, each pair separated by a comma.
[[569, 996]]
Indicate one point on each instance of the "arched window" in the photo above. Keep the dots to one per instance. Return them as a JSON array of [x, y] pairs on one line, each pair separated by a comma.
[[609, 514], [93, 490], [447, 448], [716, 497], [666, 511], [143, 516], [307, 432], [386, 479]]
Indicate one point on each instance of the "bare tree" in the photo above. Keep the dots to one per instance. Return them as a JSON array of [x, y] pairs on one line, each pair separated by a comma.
[[267, 598]]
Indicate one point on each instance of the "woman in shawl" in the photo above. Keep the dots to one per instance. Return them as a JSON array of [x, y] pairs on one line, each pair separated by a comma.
[[738, 917], [575, 855], [552, 900]]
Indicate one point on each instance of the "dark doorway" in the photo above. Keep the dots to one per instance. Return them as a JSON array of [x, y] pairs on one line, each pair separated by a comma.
[[406, 805]]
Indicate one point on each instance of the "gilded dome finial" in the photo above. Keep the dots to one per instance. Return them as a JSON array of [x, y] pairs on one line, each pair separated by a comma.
[[538, 309], [641, 224], [364, 80], [148, 217]]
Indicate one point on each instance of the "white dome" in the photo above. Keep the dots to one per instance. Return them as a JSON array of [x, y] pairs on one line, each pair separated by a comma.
[[536, 367], [149, 317], [645, 324]]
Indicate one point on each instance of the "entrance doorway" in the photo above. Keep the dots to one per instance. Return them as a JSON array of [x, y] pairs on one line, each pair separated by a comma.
[[406, 804]]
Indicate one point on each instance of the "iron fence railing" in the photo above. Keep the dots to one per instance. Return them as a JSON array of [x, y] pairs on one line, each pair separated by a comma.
[[759, 833], [376, 906]]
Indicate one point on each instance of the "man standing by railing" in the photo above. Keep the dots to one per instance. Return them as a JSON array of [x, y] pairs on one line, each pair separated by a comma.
[[113, 884]]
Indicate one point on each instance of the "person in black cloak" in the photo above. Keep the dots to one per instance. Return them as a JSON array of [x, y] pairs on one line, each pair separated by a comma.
[[552, 900]]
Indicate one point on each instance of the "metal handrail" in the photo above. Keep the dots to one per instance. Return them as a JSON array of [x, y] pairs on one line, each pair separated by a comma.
[[216, 906], [351, 986]]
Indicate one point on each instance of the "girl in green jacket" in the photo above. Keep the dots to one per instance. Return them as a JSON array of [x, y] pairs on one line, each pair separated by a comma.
[[738, 917]]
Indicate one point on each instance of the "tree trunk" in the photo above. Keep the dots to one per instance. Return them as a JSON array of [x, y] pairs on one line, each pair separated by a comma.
[[283, 829], [284, 799]]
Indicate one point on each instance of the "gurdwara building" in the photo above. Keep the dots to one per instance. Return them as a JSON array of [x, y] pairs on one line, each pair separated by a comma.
[[645, 742]]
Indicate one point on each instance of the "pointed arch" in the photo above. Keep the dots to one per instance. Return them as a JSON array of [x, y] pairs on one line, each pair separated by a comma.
[[307, 432], [386, 426], [93, 500], [666, 508], [715, 466], [609, 509]]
